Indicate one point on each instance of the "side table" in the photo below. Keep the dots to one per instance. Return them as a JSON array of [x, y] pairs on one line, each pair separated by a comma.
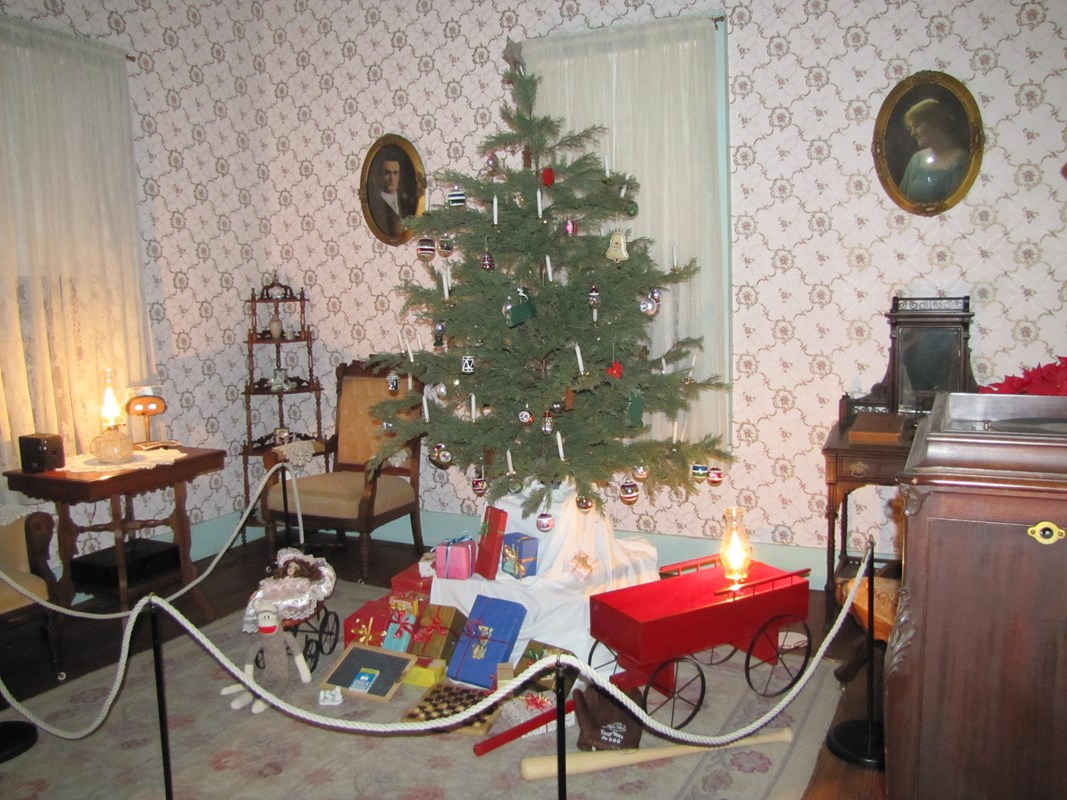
[[66, 488], [850, 466]]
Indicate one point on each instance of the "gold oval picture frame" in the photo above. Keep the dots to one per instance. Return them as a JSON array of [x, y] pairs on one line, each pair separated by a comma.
[[392, 186], [928, 143]]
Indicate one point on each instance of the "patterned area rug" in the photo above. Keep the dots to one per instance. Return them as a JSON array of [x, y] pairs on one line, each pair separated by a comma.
[[216, 752]]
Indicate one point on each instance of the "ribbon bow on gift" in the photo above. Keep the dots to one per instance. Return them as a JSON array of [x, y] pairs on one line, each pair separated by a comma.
[[480, 636], [512, 563], [365, 632], [435, 628]]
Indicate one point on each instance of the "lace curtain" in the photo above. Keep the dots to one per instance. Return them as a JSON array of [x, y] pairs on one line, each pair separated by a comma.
[[660, 91], [71, 302]]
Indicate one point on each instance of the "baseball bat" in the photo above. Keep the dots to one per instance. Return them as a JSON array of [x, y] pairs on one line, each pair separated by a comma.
[[535, 768]]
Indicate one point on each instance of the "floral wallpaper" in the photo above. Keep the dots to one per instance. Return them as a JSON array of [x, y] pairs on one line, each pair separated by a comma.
[[252, 121]]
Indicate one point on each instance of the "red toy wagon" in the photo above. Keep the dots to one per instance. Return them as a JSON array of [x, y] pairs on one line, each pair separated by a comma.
[[658, 634]]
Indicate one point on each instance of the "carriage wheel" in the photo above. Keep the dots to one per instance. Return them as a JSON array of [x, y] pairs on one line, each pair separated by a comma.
[[718, 654], [329, 632], [311, 652], [603, 659], [789, 639], [675, 692]]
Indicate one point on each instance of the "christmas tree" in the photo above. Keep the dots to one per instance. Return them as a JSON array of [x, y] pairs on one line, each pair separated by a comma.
[[540, 372]]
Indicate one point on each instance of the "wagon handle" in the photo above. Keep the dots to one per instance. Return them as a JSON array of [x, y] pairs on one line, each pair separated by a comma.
[[800, 573], [692, 565]]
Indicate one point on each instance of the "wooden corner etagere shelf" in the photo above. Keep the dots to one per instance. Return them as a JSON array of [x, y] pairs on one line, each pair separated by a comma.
[[278, 318]]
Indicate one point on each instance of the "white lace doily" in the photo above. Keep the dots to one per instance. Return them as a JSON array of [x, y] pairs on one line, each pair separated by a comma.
[[142, 459], [297, 453]]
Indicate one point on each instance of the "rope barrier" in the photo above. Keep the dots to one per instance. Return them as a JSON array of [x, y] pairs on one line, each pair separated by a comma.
[[333, 723]]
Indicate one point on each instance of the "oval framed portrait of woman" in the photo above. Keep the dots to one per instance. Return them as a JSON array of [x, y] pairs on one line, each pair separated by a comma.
[[928, 143], [392, 187]]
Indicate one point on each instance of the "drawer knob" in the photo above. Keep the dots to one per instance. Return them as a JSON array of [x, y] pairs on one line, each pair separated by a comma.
[[1046, 532]]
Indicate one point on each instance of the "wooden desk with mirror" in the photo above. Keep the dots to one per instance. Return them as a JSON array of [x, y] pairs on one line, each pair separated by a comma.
[[929, 352]]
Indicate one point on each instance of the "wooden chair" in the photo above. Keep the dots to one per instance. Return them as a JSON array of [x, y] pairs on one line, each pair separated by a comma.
[[348, 497], [24, 545], [886, 598]]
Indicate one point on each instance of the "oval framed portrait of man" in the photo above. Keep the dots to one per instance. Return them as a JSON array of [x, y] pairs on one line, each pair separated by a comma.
[[392, 188], [928, 143]]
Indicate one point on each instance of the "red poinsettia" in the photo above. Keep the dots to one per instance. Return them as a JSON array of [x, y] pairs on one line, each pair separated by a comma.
[[1045, 379]]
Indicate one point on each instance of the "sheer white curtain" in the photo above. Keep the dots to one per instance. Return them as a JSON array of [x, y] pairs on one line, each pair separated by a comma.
[[71, 302], [659, 89]]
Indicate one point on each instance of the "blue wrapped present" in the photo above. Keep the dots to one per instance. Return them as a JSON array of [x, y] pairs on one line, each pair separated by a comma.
[[398, 633], [519, 556], [487, 640]]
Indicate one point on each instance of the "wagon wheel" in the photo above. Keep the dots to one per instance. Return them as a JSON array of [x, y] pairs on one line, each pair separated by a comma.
[[789, 639], [675, 692], [718, 654], [329, 632], [603, 658], [311, 652]]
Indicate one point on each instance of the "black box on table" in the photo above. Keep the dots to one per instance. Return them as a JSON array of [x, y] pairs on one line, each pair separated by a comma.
[[41, 452]]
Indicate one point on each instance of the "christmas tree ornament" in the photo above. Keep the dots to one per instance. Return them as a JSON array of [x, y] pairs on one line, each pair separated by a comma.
[[617, 247], [545, 522], [392, 380], [632, 208], [640, 472], [520, 311], [594, 303], [479, 486], [570, 227], [548, 176], [492, 164], [440, 456], [547, 426], [615, 370], [648, 306], [557, 407], [466, 364], [457, 197], [439, 333], [515, 487], [700, 472], [629, 492], [655, 294], [487, 261], [525, 417], [715, 476], [446, 245], [583, 503], [426, 249]]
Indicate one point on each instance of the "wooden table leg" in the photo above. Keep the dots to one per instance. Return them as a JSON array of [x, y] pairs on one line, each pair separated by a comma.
[[119, 531], [179, 523]]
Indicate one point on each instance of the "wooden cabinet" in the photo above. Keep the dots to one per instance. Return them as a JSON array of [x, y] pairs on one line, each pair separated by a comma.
[[976, 669], [276, 380]]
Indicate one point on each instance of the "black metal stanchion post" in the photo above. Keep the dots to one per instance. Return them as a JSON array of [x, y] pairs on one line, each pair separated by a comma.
[[857, 741], [561, 733], [161, 704]]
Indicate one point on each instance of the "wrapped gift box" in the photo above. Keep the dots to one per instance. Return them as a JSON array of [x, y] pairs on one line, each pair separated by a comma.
[[535, 651], [411, 581], [368, 623], [491, 542], [438, 631], [487, 640], [455, 558], [519, 557], [408, 602], [426, 672], [399, 632]]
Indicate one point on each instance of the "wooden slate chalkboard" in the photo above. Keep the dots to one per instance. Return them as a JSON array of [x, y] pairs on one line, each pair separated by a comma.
[[366, 671]]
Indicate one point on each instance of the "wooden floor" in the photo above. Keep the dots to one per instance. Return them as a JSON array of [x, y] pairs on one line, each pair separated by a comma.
[[90, 645]]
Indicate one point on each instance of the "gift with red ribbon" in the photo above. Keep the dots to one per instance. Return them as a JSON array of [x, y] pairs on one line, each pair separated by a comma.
[[368, 623], [487, 640], [398, 633], [438, 631]]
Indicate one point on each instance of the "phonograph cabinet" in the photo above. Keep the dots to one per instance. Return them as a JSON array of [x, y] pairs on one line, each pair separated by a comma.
[[976, 668]]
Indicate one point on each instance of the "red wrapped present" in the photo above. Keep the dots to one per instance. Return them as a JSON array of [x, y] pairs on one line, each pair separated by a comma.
[[455, 558], [438, 631], [411, 581], [367, 625], [491, 542], [487, 640]]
